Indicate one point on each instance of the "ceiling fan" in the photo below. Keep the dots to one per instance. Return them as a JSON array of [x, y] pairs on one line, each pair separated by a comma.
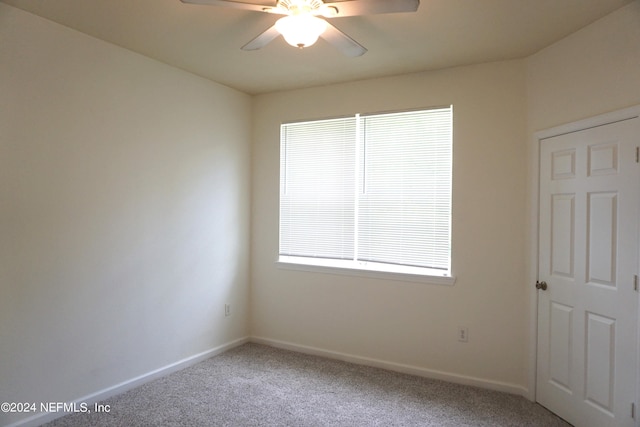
[[304, 20]]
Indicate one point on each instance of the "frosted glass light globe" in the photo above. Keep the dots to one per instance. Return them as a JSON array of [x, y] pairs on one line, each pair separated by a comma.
[[301, 30]]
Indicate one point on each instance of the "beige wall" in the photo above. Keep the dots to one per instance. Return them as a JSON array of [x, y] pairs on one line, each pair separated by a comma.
[[407, 323], [593, 71], [124, 213]]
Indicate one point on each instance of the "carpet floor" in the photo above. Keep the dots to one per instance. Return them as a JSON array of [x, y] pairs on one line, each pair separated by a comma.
[[257, 385]]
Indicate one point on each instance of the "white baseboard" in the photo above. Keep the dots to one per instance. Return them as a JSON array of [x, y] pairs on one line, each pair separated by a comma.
[[397, 367], [124, 386]]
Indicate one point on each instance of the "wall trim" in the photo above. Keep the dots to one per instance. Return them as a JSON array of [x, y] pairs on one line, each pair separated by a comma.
[[132, 383], [590, 122], [396, 367]]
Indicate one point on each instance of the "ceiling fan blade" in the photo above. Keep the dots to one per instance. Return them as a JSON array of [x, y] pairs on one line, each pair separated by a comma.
[[343, 42], [372, 7], [262, 40], [238, 5]]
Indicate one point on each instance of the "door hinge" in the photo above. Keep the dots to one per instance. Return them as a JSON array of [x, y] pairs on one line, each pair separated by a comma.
[[633, 411], [635, 282], [637, 154]]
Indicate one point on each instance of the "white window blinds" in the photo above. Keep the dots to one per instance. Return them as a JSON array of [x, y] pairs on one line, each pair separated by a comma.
[[317, 200], [375, 189]]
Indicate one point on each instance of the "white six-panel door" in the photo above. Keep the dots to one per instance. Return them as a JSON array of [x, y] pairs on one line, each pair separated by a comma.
[[588, 257]]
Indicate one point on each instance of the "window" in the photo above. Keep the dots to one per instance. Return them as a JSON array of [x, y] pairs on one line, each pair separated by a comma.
[[369, 192]]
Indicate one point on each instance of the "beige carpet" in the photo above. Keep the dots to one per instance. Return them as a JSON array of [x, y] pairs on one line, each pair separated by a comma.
[[257, 385]]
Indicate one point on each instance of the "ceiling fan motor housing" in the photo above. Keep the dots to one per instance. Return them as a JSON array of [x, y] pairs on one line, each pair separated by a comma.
[[299, 7]]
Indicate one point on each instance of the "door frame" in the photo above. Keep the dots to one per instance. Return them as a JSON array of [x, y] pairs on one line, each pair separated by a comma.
[[533, 192]]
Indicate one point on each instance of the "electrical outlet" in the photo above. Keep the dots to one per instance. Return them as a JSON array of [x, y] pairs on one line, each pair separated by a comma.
[[463, 334], [227, 310]]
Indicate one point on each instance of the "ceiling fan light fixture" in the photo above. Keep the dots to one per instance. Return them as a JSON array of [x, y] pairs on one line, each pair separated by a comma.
[[301, 30]]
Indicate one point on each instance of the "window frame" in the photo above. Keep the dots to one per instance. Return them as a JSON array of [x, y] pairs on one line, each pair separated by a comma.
[[355, 267]]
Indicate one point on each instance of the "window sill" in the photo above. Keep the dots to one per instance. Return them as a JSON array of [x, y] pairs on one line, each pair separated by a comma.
[[346, 268]]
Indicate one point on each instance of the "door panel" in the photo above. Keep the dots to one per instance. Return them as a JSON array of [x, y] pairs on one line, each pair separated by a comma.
[[560, 351], [588, 255], [600, 357], [562, 231]]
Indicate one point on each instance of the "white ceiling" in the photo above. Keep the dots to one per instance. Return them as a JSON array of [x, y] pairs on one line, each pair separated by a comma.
[[206, 40]]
